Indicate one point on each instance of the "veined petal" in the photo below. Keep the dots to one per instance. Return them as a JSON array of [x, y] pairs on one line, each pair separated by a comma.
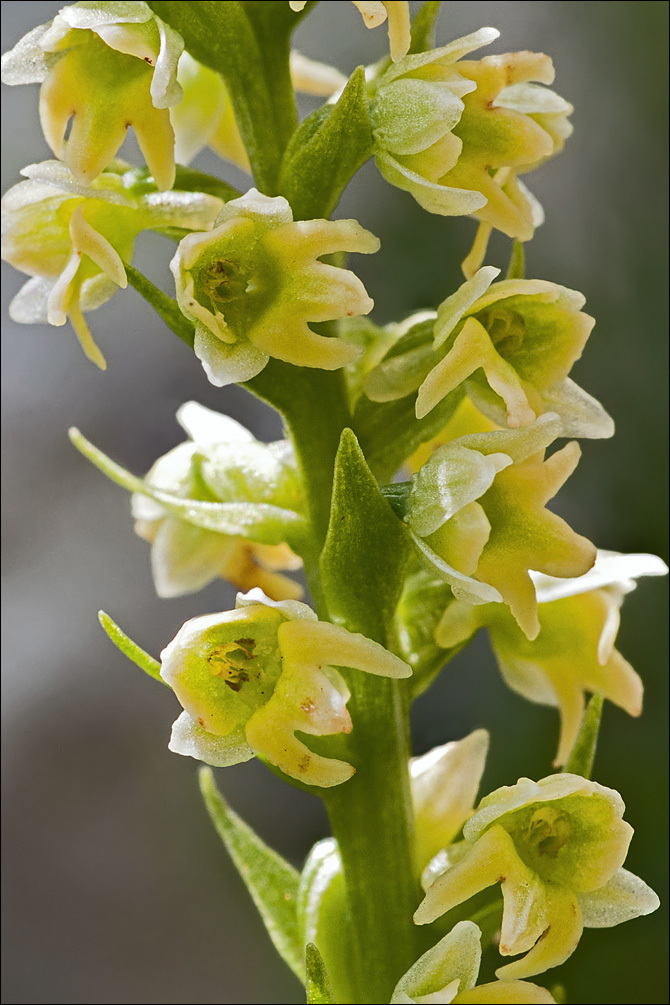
[[624, 897]]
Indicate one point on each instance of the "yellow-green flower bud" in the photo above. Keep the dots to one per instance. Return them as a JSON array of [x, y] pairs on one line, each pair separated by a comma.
[[105, 66], [448, 973], [253, 285], [221, 462], [375, 12], [574, 651], [477, 515], [556, 847], [73, 240], [248, 679], [457, 133]]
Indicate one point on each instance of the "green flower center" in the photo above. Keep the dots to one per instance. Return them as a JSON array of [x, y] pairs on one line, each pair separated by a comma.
[[506, 328], [221, 283], [547, 831]]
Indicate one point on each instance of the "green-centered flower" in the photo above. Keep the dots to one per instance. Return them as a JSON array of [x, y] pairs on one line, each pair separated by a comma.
[[448, 973], [254, 284], [221, 462], [556, 847], [248, 679], [477, 514], [574, 651], [514, 344], [103, 67], [457, 133], [511, 344], [73, 240], [375, 12]]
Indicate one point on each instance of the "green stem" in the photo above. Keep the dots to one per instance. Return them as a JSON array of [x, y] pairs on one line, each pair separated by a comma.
[[314, 406], [372, 820]]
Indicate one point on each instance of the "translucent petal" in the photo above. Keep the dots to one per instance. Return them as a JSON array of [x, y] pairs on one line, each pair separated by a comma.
[[623, 897], [191, 740]]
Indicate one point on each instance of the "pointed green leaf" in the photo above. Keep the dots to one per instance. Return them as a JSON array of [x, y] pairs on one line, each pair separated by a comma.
[[248, 44], [423, 27], [162, 304], [318, 988], [517, 263], [582, 755], [130, 649], [366, 549], [259, 522], [326, 151], [271, 881], [389, 432]]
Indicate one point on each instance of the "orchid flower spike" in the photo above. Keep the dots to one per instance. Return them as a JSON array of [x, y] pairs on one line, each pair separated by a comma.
[[248, 679]]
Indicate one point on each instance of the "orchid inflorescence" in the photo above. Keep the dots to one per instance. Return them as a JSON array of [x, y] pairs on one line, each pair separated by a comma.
[[427, 523]]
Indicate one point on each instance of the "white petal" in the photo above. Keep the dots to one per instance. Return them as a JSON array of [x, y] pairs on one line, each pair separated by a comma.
[[208, 428], [225, 363], [611, 569], [624, 897], [191, 740]]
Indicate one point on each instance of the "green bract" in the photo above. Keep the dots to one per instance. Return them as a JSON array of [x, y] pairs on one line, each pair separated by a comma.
[[254, 283], [457, 133], [106, 66], [574, 650], [557, 847], [249, 678], [477, 513], [73, 239]]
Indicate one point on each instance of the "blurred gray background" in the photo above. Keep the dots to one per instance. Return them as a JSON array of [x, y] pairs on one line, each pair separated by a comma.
[[116, 889]]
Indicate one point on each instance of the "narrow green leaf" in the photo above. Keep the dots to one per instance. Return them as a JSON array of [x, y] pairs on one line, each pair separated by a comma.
[[162, 304], [259, 522], [248, 44], [271, 881], [397, 496], [130, 649], [517, 263], [326, 151], [582, 755], [318, 987], [389, 432], [366, 549], [423, 27]]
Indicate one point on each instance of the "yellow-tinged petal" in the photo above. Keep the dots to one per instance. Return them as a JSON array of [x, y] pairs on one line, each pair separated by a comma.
[[492, 859], [558, 941], [568, 658], [525, 535], [318, 642], [473, 349], [305, 700]]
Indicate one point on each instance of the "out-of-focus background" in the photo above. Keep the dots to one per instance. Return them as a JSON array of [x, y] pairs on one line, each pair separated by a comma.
[[116, 889]]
